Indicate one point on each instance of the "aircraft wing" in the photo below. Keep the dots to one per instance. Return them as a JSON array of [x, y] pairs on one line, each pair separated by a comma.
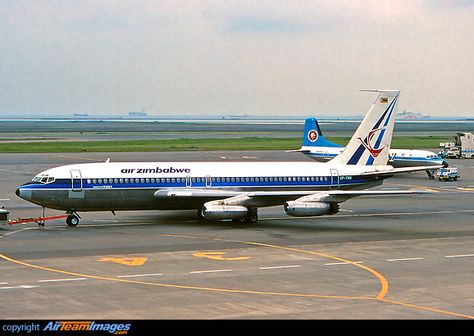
[[269, 198]]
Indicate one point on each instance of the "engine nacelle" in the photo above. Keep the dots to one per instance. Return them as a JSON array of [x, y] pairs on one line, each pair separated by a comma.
[[303, 209], [219, 212]]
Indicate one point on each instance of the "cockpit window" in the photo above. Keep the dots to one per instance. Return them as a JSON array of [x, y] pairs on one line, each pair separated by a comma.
[[44, 179]]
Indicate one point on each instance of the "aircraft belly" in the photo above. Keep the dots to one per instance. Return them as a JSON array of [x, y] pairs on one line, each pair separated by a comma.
[[113, 199], [96, 200]]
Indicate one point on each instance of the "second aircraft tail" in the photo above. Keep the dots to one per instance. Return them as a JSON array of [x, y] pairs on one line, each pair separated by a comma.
[[313, 136]]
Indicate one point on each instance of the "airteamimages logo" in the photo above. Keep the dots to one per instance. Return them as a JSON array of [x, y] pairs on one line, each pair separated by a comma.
[[312, 135], [92, 326]]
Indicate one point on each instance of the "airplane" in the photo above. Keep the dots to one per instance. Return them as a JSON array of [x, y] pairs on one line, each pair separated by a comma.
[[317, 147], [229, 190]]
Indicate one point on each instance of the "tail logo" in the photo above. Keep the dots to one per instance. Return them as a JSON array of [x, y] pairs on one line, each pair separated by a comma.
[[312, 135], [374, 152]]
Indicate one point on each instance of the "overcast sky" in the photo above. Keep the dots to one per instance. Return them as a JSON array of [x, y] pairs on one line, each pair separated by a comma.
[[265, 57]]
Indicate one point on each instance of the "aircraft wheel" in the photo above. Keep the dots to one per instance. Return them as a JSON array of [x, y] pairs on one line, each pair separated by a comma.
[[200, 214], [72, 220], [252, 216]]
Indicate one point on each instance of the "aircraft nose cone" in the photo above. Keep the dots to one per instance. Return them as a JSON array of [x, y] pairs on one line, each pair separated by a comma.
[[23, 193], [445, 164]]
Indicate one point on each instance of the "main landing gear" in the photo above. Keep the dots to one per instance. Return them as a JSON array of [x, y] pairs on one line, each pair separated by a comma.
[[430, 174], [73, 219], [252, 216]]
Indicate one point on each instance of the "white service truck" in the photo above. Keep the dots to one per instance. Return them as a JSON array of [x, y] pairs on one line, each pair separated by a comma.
[[462, 147], [448, 174]]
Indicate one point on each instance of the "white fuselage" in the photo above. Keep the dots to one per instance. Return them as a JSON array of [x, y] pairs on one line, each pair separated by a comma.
[[136, 185], [397, 157]]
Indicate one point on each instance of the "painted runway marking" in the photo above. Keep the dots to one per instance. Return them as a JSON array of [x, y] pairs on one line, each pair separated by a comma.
[[343, 263], [212, 271], [465, 189], [405, 259], [19, 287], [278, 267], [139, 275], [14, 232], [3, 283], [131, 261], [459, 256], [218, 256], [60, 280]]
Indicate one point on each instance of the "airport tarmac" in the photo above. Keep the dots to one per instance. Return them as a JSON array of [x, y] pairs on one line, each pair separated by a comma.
[[379, 258]]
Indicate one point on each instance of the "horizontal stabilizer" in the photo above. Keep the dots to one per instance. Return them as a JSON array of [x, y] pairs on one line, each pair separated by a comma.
[[403, 170]]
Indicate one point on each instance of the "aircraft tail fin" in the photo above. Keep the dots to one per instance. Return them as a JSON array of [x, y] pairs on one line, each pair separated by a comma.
[[313, 136], [371, 141]]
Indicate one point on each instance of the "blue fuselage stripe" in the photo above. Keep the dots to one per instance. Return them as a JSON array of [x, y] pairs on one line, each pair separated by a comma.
[[66, 184]]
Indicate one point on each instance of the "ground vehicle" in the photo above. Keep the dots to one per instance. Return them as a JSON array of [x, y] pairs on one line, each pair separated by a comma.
[[448, 174], [452, 152], [4, 216], [462, 147]]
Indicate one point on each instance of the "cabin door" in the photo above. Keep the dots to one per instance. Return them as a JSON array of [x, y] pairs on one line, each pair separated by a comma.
[[334, 178], [76, 180]]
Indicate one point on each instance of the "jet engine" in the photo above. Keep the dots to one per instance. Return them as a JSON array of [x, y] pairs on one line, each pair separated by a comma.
[[219, 212], [303, 209]]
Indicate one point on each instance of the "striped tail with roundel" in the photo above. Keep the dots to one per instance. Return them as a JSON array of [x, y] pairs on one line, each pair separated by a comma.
[[370, 144]]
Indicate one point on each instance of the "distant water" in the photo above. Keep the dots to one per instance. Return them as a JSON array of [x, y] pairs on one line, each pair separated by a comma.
[[276, 128]]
